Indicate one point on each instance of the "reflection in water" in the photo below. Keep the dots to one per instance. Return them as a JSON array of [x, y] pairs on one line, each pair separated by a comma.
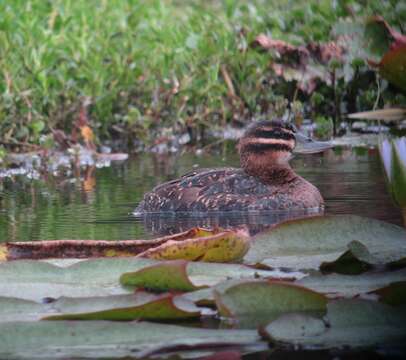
[[97, 203], [254, 221]]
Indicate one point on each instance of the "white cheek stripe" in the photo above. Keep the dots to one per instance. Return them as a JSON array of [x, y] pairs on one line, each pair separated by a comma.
[[289, 143]]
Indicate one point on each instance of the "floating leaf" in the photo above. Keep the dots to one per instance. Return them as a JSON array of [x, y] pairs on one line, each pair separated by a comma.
[[358, 260], [226, 246], [354, 323], [125, 307], [171, 275], [140, 305], [35, 280], [91, 248], [393, 294], [306, 243], [106, 339], [335, 285], [267, 299]]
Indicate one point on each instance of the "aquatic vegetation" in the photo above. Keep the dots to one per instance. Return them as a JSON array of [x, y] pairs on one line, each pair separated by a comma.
[[393, 156], [152, 69], [264, 302]]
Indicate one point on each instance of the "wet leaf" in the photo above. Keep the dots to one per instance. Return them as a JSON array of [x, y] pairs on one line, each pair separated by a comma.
[[140, 305], [125, 307], [358, 260], [393, 294], [35, 280], [306, 243], [267, 299], [226, 246], [340, 285], [171, 275], [353, 323], [90, 248], [96, 339]]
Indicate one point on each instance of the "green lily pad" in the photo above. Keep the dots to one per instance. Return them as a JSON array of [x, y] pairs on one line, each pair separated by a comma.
[[35, 280], [140, 305], [354, 261], [335, 285], [171, 275], [353, 323], [266, 299], [306, 243], [393, 294], [125, 307], [106, 339]]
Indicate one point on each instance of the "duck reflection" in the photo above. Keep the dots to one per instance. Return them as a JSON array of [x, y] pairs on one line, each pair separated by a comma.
[[160, 224]]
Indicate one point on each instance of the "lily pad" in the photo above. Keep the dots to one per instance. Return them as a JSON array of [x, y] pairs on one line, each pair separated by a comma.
[[267, 299], [335, 285], [227, 246], [163, 276], [125, 307], [393, 294], [106, 339], [99, 248], [306, 243], [354, 323], [354, 261], [140, 305], [34, 280]]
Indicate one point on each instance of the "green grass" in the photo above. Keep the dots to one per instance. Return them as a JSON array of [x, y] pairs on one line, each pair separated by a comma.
[[147, 64]]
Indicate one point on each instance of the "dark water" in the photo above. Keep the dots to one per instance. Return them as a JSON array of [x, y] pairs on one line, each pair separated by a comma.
[[97, 204]]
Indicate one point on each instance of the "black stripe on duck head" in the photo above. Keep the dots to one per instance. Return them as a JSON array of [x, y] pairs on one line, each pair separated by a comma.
[[266, 144]]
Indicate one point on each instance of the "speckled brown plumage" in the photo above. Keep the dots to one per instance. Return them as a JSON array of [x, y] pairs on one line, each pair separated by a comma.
[[264, 182]]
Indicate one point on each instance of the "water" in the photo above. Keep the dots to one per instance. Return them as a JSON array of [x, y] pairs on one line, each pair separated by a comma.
[[97, 203]]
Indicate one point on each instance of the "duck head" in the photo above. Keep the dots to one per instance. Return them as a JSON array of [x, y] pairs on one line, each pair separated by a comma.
[[268, 146]]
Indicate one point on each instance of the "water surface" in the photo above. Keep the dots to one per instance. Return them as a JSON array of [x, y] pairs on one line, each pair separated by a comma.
[[97, 203]]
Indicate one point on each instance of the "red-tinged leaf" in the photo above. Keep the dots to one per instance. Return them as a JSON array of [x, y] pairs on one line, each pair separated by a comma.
[[170, 275], [90, 248], [393, 294], [393, 66], [126, 307]]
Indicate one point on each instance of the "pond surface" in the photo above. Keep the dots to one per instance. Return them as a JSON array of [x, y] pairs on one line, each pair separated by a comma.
[[97, 203]]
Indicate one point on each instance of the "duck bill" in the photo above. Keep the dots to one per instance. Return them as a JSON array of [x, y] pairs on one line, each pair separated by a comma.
[[306, 145]]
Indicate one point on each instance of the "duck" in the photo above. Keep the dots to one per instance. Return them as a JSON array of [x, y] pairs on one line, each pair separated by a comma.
[[264, 182]]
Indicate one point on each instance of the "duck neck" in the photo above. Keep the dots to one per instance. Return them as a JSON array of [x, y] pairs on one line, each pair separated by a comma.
[[272, 175]]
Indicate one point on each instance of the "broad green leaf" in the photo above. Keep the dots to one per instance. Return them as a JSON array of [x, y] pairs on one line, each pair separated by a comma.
[[393, 294], [106, 339], [354, 261], [267, 299], [125, 307], [171, 275], [306, 243], [354, 323], [349, 285], [140, 305], [35, 280], [13, 309]]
